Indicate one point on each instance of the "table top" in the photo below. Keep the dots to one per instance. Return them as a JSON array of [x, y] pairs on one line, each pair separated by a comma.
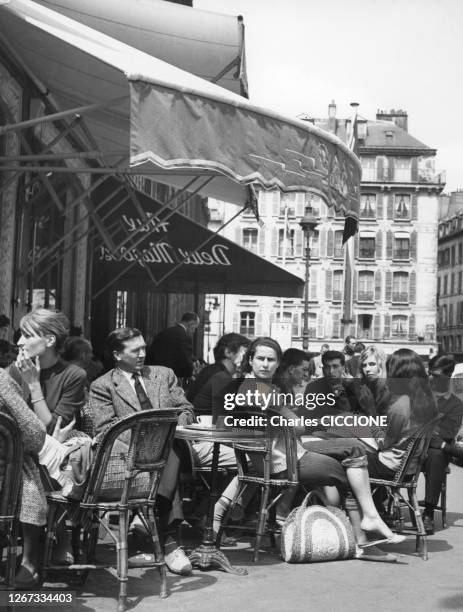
[[211, 434]]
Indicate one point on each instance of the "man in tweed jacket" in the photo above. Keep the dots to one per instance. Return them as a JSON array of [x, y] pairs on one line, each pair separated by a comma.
[[129, 387]]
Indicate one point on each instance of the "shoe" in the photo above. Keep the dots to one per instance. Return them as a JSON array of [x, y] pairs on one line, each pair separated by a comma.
[[394, 539], [225, 540], [177, 562], [375, 554], [141, 560], [26, 580], [428, 524]]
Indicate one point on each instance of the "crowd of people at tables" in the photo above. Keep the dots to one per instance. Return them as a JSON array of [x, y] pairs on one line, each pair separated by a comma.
[[46, 393]]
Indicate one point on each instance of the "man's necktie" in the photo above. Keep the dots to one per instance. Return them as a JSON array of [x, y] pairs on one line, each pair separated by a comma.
[[145, 403]]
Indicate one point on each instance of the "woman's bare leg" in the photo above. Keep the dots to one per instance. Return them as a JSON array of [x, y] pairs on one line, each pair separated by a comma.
[[31, 546]]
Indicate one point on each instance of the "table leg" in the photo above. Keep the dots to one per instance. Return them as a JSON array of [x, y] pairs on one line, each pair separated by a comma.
[[207, 554]]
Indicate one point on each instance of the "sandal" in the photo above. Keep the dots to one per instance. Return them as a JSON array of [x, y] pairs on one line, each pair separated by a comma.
[[396, 538]]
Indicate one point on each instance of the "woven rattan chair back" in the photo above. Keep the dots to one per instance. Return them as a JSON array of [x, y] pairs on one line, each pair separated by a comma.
[[10, 489]]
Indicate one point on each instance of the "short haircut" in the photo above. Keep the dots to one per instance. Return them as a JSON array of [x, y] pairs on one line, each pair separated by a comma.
[[446, 363], [293, 357], [332, 355], [327, 346], [378, 354], [261, 341], [232, 342], [115, 340], [45, 322], [74, 346], [359, 347], [349, 338], [188, 317]]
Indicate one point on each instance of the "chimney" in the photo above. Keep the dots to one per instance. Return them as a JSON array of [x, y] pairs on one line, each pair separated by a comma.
[[332, 117], [399, 117]]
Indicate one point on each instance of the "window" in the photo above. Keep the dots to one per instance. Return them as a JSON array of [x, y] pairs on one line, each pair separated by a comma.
[[247, 323], [460, 252], [250, 239], [460, 283], [286, 250], [337, 285], [368, 168], [400, 287], [288, 201], [444, 292], [399, 326], [368, 206], [402, 166], [452, 284], [287, 317], [402, 206], [121, 308], [401, 248], [312, 325], [315, 245], [338, 250], [366, 287], [367, 247], [452, 256]]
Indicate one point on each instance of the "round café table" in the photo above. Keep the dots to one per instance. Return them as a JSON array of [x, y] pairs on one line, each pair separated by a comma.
[[208, 554]]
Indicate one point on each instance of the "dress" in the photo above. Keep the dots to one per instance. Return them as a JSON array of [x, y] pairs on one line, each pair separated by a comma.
[[33, 501]]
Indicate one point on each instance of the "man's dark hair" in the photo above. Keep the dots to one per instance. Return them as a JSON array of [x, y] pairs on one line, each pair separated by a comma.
[[293, 357], [232, 342], [189, 316], [332, 355], [349, 338], [359, 347], [115, 340], [445, 363]]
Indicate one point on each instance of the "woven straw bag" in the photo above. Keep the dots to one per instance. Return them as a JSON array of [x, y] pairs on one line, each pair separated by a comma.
[[313, 533]]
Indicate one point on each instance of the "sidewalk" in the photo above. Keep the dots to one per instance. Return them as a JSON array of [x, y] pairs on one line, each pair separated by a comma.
[[272, 585]]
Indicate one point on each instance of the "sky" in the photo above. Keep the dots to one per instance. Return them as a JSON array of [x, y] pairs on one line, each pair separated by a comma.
[[406, 54]]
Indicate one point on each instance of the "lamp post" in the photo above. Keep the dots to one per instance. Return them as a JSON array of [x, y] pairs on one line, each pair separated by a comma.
[[308, 224]]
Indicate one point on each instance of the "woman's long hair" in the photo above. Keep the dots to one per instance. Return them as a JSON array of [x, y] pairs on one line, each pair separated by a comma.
[[406, 375], [251, 351]]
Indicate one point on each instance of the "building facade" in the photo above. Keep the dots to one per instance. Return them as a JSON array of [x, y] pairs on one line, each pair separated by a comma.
[[395, 250]]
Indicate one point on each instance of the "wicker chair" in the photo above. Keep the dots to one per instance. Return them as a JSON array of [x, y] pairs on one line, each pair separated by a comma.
[[406, 477], [125, 477], [271, 488], [10, 491]]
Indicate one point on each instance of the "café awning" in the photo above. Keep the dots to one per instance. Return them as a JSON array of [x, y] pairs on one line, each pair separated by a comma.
[[167, 251], [176, 126], [207, 44]]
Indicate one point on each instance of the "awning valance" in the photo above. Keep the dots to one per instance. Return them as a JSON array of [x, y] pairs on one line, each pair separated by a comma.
[[178, 125]]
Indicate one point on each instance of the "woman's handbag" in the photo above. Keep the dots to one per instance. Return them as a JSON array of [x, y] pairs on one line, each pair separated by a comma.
[[314, 533]]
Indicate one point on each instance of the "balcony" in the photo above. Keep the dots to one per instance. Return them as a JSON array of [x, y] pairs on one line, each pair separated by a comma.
[[400, 297], [365, 296], [401, 254], [366, 253]]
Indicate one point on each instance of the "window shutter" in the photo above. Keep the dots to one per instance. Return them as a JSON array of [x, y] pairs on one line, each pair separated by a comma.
[[274, 252], [414, 169], [380, 168], [236, 322], [355, 284], [378, 282], [391, 169], [300, 198], [356, 245], [388, 296], [379, 245], [239, 235], [379, 206], [262, 206], [258, 326], [320, 326], [390, 206], [450, 315], [336, 325], [313, 295], [275, 203], [387, 326], [412, 327], [322, 238], [299, 242], [377, 327], [295, 325], [330, 244], [389, 244], [413, 240], [412, 280], [329, 285], [414, 207]]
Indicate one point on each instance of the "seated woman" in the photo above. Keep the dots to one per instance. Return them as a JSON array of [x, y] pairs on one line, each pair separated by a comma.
[[315, 469], [52, 387]]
